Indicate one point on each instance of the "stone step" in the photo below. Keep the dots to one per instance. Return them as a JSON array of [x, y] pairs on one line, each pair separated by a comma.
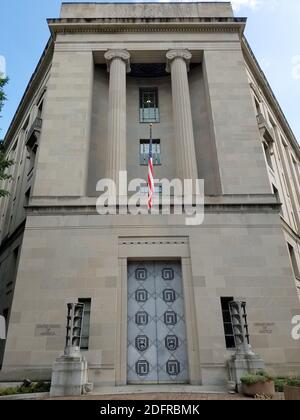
[[146, 389]]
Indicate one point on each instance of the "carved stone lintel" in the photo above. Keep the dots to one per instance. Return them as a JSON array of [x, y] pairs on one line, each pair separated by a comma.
[[120, 54], [173, 54]]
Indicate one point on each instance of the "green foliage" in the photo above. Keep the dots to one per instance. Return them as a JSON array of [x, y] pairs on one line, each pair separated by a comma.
[[254, 378], [266, 375], [279, 384], [294, 382], [261, 376], [3, 82], [4, 163], [31, 389], [8, 391]]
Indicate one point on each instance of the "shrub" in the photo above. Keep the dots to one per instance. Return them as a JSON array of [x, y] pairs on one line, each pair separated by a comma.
[[8, 391], [254, 378], [294, 382], [30, 389], [279, 384]]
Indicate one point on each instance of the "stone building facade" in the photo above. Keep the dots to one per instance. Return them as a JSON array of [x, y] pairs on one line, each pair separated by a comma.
[[156, 291]]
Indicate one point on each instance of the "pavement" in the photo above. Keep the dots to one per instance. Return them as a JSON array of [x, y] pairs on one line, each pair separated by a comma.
[[163, 396]]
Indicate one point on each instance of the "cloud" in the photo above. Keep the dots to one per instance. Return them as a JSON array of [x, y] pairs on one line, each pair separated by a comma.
[[296, 67], [265, 63], [236, 4], [2, 67], [252, 4]]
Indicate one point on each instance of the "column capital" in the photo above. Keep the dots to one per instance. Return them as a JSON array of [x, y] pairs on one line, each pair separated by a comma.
[[171, 55], [121, 54]]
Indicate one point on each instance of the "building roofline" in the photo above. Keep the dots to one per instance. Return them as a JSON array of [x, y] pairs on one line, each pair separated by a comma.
[[268, 91], [145, 2], [62, 25], [58, 25], [132, 6], [156, 24], [36, 77]]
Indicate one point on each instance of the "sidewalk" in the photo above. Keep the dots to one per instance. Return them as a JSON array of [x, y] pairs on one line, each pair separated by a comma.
[[164, 396]]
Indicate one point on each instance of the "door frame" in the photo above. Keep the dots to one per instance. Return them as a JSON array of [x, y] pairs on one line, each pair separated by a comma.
[[165, 249]]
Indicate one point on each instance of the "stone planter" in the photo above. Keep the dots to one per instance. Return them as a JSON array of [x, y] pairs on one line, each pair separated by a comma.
[[260, 388], [292, 393]]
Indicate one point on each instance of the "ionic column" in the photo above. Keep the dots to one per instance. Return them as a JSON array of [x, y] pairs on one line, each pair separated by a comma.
[[118, 65], [178, 65]]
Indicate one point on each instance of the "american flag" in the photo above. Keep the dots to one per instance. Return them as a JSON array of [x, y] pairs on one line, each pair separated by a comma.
[[150, 173]]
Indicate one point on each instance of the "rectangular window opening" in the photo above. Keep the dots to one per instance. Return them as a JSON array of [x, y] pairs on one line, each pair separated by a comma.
[[294, 261], [149, 111], [268, 154], [26, 124], [144, 151], [85, 333], [257, 106], [40, 109], [276, 193], [157, 189], [227, 323]]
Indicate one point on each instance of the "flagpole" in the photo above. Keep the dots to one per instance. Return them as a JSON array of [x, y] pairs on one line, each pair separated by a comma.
[[151, 125], [150, 171], [150, 164]]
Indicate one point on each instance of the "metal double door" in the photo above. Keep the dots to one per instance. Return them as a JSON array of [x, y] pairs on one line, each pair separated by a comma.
[[156, 333]]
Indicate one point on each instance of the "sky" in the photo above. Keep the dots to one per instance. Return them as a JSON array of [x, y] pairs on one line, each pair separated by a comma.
[[273, 31]]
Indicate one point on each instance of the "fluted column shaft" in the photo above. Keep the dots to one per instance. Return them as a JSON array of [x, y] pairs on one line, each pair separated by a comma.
[[118, 65], [178, 61]]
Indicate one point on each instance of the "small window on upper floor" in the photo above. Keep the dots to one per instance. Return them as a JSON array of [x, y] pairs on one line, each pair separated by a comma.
[[296, 168], [144, 152], [285, 185], [276, 193], [294, 261], [40, 109], [257, 106], [26, 125], [13, 152], [272, 122], [149, 111], [284, 143], [267, 150], [27, 197]]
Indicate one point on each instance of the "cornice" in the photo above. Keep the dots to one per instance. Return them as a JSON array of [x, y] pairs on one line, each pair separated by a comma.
[[82, 210], [35, 80], [291, 232], [265, 86], [71, 26], [115, 25]]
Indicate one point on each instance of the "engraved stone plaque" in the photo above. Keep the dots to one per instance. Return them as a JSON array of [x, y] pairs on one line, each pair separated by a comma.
[[47, 330], [264, 327]]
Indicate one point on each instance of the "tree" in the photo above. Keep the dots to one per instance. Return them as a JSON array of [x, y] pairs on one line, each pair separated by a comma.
[[4, 162]]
